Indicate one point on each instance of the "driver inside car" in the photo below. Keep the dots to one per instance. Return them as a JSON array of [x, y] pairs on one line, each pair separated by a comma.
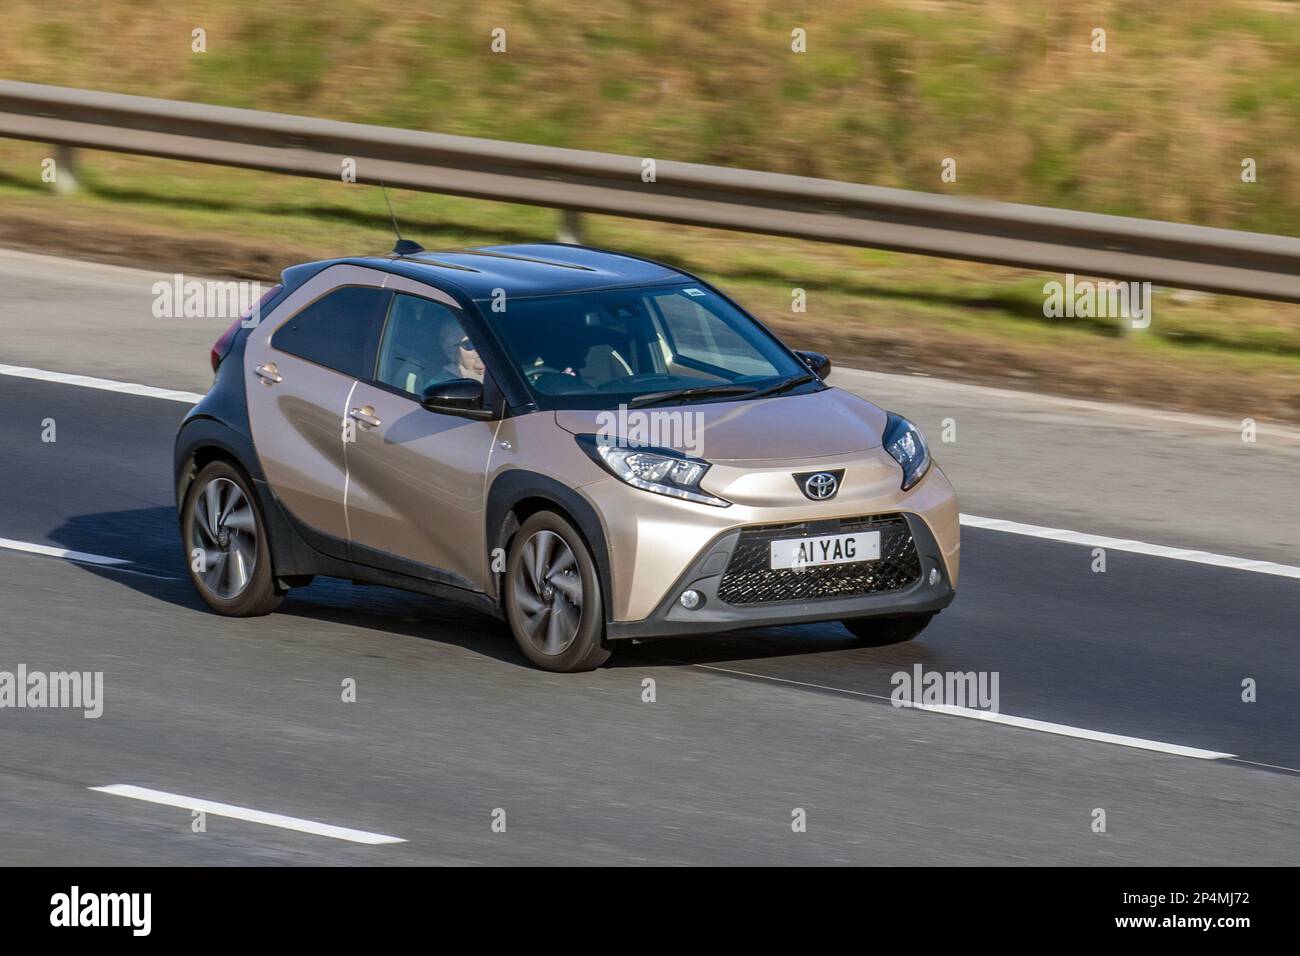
[[463, 360]]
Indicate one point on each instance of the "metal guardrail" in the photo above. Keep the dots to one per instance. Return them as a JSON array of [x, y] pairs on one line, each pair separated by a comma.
[[1053, 240]]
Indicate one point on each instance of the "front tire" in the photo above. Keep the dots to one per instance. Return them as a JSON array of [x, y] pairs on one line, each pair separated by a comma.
[[883, 631], [226, 549], [552, 596]]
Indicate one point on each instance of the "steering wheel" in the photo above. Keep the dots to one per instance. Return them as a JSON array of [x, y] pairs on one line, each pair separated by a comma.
[[539, 370]]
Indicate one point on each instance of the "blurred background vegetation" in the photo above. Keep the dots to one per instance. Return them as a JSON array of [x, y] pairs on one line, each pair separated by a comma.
[[1157, 126]]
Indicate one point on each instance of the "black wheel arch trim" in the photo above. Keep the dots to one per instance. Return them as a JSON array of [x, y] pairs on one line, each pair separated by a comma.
[[200, 432], [220, 419], [519, 484]]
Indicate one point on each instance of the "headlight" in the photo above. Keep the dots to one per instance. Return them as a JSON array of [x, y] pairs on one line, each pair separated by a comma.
[[906, 445], [661, 470]]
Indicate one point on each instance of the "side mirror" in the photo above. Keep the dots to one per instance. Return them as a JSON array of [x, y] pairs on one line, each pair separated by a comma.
[[459, 396], [819, 364]]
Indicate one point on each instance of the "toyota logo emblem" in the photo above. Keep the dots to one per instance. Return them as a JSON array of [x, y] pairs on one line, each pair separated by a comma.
[[821, 486]]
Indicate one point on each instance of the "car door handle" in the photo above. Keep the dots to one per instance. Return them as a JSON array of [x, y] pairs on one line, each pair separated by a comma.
[[269, 374], [365, 416]]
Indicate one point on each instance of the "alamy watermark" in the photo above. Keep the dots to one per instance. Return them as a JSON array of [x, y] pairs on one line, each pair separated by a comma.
[[75, 908], [77, 690], [1108, 299], [679, 429], [183, 298], [969, 690]]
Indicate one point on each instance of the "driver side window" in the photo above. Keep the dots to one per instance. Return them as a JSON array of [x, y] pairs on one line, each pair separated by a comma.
[[424, 343]]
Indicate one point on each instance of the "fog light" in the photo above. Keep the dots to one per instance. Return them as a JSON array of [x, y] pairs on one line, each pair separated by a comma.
[[691, 600], [934, 576]]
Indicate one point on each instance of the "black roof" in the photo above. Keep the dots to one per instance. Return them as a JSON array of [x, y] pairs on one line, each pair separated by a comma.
[[542, 268]]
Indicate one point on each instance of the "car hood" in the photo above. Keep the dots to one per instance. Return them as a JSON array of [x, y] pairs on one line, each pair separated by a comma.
[[819, 424]]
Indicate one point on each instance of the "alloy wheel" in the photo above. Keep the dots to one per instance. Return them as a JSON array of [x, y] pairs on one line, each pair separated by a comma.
[[223, 530], [548, 593]]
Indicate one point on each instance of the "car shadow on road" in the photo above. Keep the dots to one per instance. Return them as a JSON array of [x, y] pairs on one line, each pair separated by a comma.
[[149, 539]]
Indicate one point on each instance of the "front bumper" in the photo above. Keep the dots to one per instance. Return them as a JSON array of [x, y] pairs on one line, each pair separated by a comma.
[[654, 541], [706, 574]]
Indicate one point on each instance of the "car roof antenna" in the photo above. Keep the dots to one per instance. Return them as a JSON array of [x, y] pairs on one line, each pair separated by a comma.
[[403, 247]]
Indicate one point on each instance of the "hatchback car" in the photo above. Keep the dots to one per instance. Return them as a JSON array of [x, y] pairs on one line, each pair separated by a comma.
[[591, 446]]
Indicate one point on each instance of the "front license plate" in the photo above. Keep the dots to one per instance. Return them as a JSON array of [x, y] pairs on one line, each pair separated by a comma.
[[826, 549]]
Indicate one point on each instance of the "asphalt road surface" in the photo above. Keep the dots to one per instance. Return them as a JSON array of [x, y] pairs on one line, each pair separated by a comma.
[[451, 730]]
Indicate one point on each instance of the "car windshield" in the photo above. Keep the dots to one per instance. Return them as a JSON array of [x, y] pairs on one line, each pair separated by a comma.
[[640, 345]]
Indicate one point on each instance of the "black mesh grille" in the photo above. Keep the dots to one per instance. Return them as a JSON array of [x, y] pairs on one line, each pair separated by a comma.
[[749, 580]]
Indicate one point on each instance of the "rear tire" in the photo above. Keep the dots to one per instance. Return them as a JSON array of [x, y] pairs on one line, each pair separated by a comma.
[[552, 596], [226, 549], [883, 631]]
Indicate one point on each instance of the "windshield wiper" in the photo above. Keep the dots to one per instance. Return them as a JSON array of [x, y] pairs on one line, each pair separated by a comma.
[[695, 391], [785, 386]]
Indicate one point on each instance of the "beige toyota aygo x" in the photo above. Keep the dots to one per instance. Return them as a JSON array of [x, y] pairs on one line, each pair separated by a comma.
[[591, 446]]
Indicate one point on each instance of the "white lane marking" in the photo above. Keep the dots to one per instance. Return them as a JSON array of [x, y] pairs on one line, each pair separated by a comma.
[[117, 565], [1266, 766], [1136, 547], [1024, 723], [48, 551], [104, 384], [251, 816], [1082, 733]]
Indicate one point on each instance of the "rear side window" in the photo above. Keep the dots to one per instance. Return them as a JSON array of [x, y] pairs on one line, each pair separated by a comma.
[[340, 330]]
